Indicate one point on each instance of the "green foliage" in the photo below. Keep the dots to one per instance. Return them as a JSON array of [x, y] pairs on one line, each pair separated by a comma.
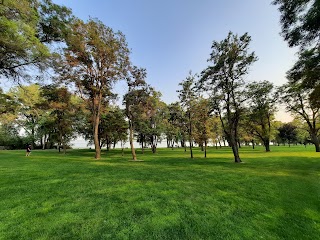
[[28, 112], [113, 127], [62, 114], [23, 26], [288, 133], [168, 196], [10, 139], [7, 103], [306, 72], [261, 110], [300, 21]]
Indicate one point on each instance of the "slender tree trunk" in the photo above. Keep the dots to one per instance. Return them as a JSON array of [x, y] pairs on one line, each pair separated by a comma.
[[142, 146], [96, 121], [205, 148], [64, 147], [253, 144], [108, 146], [239, 144], [234, 145], [122, 150], [133, 152], [190, 134]]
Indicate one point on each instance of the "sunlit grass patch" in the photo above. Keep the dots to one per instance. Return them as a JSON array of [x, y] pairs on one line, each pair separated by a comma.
[[272, 195]]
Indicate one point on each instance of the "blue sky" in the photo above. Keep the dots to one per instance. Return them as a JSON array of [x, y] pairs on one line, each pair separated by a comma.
[[171, 37]]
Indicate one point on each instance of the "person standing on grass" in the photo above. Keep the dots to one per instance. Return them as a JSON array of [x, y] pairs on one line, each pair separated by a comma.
[[28, 150]]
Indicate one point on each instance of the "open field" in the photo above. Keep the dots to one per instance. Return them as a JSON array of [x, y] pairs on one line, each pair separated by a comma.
[[272, 195]]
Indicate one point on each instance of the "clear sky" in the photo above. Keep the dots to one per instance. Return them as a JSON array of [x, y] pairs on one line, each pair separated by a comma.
[[171, 37]]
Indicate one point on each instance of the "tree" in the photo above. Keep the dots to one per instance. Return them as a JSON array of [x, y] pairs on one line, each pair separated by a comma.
[[26, 27], [175, 129], [187, 96], [300, 27], [300, 21], [113, 127], [28, 112], [224, 83], [134, 100], [297, 101], [287, 133], [202, 122], [150, 125], [63, 113], [95, 57], [261, 110]]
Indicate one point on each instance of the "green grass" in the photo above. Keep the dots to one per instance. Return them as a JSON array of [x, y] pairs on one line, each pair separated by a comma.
[[272, 195]]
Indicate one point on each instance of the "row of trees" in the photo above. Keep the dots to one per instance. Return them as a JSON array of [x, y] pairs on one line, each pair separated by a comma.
[[52, 116], [85, 59]]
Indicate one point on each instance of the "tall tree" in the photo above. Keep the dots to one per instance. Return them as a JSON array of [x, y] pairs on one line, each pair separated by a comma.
[[134, 100], [224, 81], [298, 101], [187, 96], [261, 110], [95, 58]]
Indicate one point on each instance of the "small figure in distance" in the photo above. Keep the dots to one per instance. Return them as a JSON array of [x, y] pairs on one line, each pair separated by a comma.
[[28, 150]]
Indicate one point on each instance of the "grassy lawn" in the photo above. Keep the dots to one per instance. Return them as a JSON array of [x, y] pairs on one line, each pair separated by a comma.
[[272, 195]]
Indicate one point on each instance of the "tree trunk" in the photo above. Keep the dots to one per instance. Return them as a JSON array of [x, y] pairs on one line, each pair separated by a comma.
[[142, 146], [266, 143], [64, 147], [234, 145], [315, 141], [96, 120], [190, 135], [253, 144], [133, 152], [205, 149]]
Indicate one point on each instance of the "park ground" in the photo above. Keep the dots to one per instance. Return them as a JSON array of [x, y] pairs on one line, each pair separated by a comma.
[[272, 195]]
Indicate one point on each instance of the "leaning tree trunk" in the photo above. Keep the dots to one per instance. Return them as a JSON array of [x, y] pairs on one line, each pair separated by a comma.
[[315, 141], [234, 145], [133, 152]]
